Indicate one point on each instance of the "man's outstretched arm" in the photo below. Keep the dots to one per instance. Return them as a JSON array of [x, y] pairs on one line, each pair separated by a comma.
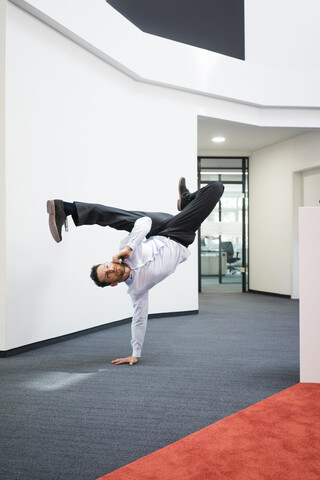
[[138, 330]]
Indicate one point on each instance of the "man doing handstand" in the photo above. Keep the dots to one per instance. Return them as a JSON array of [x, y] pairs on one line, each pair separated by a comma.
[[155, 246]]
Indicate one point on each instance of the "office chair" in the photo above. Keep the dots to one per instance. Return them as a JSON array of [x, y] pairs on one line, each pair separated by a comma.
[[228, 248]]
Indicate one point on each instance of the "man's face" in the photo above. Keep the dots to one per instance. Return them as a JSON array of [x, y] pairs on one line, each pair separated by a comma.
[[111, 272]]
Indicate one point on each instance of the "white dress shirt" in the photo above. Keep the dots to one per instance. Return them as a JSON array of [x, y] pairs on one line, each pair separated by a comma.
[[151, 261]]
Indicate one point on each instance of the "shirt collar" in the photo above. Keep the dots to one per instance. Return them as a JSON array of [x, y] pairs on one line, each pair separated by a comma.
[[130, 278]]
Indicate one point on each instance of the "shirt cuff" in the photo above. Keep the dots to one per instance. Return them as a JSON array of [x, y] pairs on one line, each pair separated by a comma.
[[136, 353], [132, 245]]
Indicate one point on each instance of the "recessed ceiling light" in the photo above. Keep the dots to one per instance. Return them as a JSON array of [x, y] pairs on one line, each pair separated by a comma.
[[218, 139]]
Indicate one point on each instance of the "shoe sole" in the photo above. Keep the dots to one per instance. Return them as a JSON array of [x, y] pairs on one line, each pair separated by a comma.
[[179, 200], [52, 222]]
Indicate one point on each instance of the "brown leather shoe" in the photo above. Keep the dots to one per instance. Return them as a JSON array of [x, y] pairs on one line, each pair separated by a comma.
[[57, 218], [183, 194]]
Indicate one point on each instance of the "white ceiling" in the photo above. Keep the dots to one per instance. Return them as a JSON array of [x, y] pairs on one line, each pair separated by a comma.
[[241, 138]]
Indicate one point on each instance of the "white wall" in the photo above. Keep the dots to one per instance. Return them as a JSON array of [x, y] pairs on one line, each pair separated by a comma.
[[2, 173], [275, 194], [78, 129], [283, 34], [311, 188], [259, 80]]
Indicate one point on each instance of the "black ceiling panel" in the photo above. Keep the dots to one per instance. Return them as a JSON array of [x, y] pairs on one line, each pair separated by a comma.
[[216, 25]]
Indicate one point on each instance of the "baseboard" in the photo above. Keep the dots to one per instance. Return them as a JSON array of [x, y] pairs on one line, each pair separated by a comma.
[[269, 293], [173, 314], [87, 331]]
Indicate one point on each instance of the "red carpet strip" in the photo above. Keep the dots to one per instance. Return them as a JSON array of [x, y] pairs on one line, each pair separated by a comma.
[[278, 438]]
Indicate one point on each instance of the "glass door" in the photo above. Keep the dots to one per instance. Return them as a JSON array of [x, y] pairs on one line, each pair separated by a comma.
[[223, 250]]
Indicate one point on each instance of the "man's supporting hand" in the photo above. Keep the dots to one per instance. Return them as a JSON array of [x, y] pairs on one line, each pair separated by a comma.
[[130, 360], [125, 253]]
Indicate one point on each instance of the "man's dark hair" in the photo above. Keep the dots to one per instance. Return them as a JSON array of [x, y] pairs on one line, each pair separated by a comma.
[[94, 277]]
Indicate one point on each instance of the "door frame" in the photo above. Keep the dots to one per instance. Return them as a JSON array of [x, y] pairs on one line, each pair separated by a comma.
[[245, 197]]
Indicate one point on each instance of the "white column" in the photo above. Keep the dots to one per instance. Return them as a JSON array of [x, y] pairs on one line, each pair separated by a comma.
[[2, 172], [309, 255]]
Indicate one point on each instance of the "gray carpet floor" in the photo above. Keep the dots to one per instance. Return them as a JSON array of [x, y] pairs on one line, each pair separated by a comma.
[[67, 413]]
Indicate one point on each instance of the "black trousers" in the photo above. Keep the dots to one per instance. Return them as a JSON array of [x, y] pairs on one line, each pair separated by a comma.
[[181, 227]]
